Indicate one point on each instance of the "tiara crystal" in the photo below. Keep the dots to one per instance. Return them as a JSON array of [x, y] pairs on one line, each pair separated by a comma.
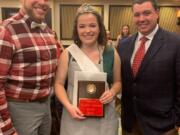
[[85, 8]]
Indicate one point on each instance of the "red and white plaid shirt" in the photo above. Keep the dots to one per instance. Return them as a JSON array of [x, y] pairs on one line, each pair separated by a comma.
[[28, 62]]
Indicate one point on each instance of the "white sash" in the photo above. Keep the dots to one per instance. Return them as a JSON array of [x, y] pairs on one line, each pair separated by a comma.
[[89, 71], [83, 61]]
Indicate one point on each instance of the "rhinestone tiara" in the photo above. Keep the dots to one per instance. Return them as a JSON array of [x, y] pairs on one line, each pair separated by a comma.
[[85, 8]]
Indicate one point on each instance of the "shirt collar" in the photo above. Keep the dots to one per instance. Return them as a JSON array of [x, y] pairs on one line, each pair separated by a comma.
[[151, 35], [24, 15]]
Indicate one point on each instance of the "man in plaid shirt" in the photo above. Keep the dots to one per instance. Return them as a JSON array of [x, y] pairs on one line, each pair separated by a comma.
[[28, 62]]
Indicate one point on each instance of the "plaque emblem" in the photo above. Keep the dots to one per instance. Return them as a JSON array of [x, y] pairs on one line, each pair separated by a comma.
[[91, 88], [88, 96]]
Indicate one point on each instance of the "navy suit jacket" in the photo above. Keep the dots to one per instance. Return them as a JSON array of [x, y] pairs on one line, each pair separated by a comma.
[[153, 96]]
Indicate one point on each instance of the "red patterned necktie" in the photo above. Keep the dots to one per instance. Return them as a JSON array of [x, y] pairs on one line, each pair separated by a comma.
[[139, 55]]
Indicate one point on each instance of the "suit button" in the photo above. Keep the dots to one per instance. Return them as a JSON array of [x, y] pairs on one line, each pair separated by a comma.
[[134, 98]]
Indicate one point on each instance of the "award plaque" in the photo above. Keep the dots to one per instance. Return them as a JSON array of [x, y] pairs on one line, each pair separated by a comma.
[[89, 93]]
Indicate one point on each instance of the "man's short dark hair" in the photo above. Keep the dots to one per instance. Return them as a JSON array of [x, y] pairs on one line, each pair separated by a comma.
[[154, 3]]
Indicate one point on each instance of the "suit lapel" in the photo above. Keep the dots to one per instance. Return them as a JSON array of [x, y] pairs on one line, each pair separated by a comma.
[[130, 52], [156, 44]]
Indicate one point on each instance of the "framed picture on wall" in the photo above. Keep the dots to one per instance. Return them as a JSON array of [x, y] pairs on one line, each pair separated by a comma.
[[9, 11]]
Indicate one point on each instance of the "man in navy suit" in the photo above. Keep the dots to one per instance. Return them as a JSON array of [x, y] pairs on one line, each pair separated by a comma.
[[151, 91]]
